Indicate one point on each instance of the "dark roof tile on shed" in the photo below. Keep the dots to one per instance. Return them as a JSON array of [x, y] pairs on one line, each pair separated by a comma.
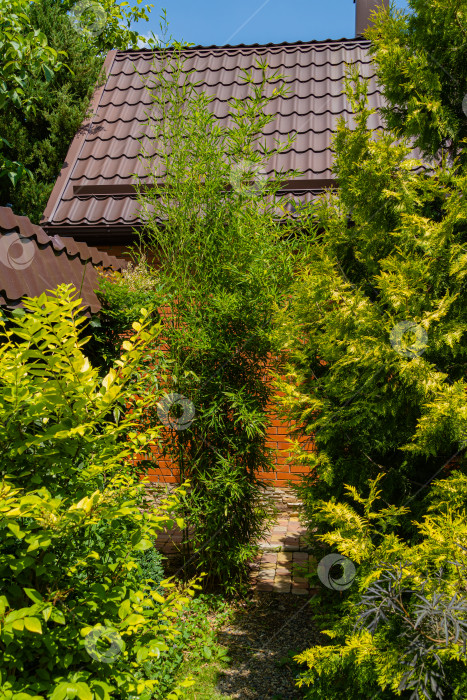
[[105, 151], [31, 262]]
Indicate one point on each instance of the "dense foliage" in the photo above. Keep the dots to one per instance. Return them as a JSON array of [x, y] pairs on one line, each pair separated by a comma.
[[122, 296], [376, 335], [421, 57], [43, 99], [26, 57], [224, 263], [402, 631], [377, 323], [73, 529]]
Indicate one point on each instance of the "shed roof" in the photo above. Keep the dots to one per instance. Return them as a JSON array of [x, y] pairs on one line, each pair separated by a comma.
[[31, 262], [94, 198]]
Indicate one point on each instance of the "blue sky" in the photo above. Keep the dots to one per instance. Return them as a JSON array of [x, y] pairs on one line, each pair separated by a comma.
[[255, 21]]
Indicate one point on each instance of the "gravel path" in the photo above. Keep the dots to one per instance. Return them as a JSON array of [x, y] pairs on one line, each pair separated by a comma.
[[261, 634]]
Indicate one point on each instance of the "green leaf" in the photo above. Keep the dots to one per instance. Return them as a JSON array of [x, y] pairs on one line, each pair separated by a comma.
[[58, 616], [16, 530], [63, 690], [47, 612], [49, 74], [33, 624], [134, 619], [207, 653], [34, 595], [142, 654], [124, 609], [84, 691]]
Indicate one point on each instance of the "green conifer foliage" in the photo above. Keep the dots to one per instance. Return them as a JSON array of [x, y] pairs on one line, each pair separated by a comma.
[[420, 57], [377, 324]]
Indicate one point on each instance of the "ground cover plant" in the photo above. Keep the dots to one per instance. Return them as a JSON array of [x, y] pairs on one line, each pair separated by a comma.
[[83, 612]]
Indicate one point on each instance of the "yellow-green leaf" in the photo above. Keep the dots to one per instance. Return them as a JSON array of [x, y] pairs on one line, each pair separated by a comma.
[[33, 624]]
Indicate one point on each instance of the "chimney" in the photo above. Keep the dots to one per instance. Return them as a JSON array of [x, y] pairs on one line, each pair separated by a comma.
[[363, 11]]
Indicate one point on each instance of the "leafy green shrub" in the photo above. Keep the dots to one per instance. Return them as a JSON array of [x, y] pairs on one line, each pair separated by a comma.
[[403, 628], [122, 295], [71, 518], [151, 565], [427, 43], [40, 120], [225, 263]]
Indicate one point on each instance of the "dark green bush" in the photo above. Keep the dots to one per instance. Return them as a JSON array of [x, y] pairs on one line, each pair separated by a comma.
[[151, 562]]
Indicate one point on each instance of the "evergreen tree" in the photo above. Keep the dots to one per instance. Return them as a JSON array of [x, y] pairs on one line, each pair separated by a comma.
[[421, 61], [377, 325]]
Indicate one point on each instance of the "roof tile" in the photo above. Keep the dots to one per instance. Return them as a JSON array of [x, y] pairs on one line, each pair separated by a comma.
[[31, 262], [108, 155]]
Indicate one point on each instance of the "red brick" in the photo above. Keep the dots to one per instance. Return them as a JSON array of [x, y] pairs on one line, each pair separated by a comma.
[[299, 469], [282, 483], [266, 475], [294, 477], [283, 445]]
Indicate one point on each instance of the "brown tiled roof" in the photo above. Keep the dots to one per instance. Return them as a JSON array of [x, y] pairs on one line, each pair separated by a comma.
[[31, 262], [94, 195]]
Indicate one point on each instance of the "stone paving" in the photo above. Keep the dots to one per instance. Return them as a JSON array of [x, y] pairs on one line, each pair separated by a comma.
[[284, 560], [280, 566]]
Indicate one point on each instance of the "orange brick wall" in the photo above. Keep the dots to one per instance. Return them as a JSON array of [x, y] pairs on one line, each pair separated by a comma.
[[286, 473]]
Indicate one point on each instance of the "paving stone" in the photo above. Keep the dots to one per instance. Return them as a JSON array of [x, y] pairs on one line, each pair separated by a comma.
[[268, 565], [286, 564], [283, 557], [299, 591], [283, 577], [268, 573], [279, 529], [291, 539], [290, 548], [264, 586], [300, 579], [283, 571], [281, 587], [265, 576], [269, 559]]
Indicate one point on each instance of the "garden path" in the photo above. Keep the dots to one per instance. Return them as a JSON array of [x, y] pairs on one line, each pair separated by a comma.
[[281, 564]]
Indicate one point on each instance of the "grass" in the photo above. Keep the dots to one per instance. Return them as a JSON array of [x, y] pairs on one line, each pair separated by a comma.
[[206, 677]]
